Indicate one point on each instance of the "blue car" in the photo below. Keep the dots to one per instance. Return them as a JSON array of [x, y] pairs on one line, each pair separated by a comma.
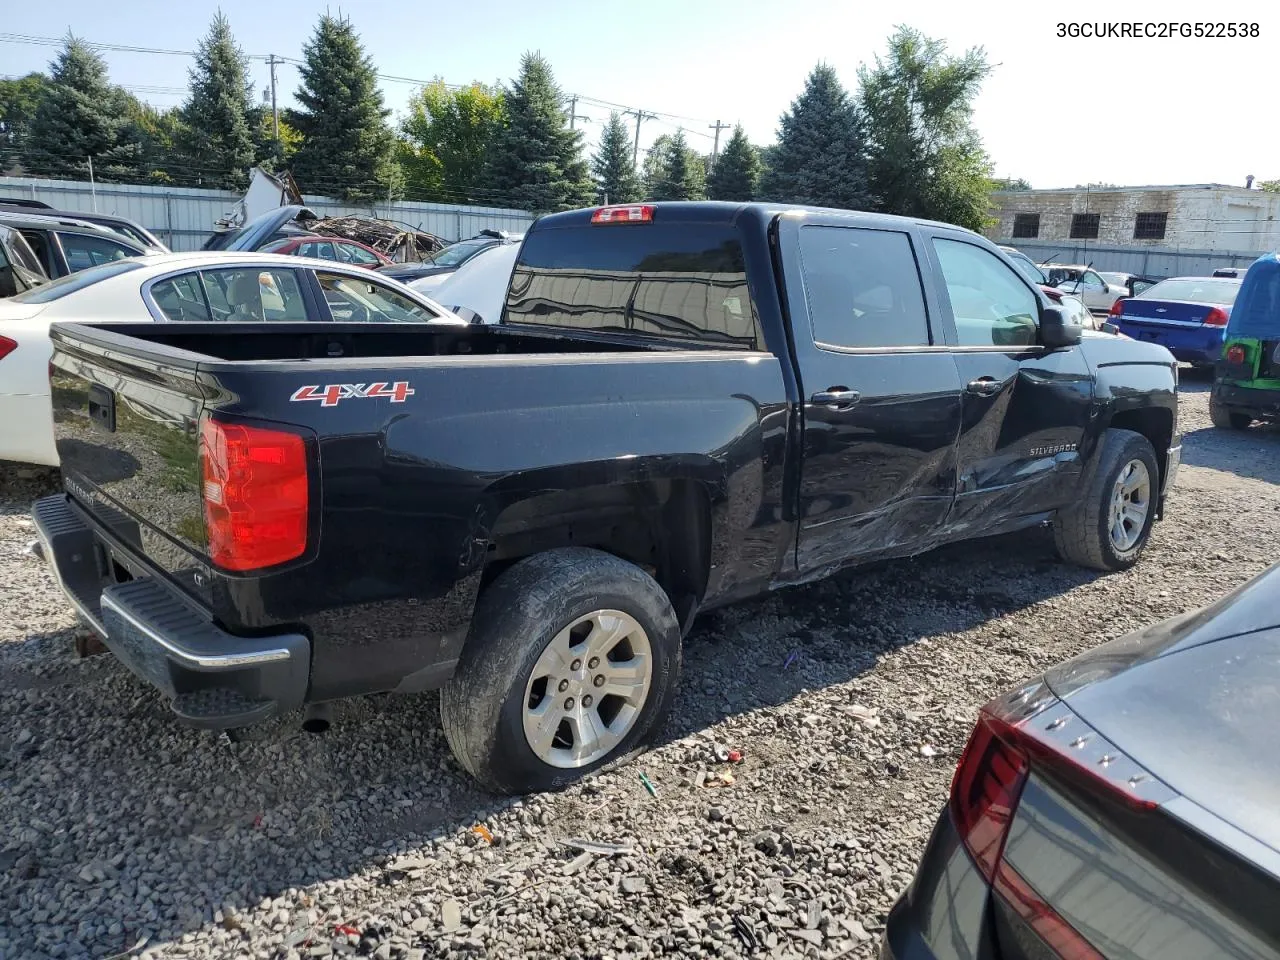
[[1186, 315]]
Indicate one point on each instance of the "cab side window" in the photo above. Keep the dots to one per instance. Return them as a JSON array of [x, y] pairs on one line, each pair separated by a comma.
[[992, 306], [862, 287]]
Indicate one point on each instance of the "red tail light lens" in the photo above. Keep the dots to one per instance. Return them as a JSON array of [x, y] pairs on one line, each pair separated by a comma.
[[7, 347], [1236, 354], [256, 495], [1117, 308], [1217, 317], [632, 213], [985, 790]]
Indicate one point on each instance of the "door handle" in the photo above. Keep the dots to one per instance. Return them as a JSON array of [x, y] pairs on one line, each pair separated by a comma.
[[837, 397], [984, 386]]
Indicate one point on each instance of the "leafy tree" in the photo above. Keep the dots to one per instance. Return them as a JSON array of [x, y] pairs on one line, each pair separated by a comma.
[[924, 157], [19, 99], [80, 116], [158, 134], [536, 160], [1010, 183], [819, 158], [736, 174], [447, 136], [673, 171], [1271, 186], [269, 153], [614, 172], [346, 143], [217, 132]]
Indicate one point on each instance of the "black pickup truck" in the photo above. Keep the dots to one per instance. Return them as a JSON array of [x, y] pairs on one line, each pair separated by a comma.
[[682, 405]]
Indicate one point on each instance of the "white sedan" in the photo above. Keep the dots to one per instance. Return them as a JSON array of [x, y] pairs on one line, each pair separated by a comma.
[[178, 288]]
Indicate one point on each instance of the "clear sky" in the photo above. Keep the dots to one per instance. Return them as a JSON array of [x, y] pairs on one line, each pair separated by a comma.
[[1055, 111]]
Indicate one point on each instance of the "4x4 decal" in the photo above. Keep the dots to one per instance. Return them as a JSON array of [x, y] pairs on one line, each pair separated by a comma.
[[331, 393]]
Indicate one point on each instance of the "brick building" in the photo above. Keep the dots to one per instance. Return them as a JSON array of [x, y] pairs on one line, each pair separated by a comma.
[[1210, 217]]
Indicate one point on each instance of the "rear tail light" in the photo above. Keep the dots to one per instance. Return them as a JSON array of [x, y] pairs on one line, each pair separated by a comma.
[[987, 787], [1117, 308], [1216, 317], [256, 496], [632, 213], [1236, 354], [7, 347]]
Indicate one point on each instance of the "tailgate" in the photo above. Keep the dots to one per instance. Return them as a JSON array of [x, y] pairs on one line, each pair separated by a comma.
[[126, 424], [1161, 312]]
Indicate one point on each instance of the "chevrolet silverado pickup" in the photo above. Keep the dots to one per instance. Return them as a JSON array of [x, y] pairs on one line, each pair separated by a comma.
[[682, 405]]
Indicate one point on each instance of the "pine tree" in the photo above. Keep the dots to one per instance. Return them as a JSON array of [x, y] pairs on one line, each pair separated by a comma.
[[673, 171], [80, 116], [346, 143], [536, 161], [819, 157], [217, 133], [736, 174], [924, 158], [614, 172]]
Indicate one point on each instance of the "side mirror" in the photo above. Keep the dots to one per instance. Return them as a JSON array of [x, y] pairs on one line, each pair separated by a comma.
[[1058, 328]]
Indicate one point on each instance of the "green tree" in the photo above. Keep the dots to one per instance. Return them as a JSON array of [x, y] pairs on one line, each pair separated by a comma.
[[536, 161], [446, 137], [19, 99], [270, 153], [924, 157], [1270, 186], [1010, 183], [736, 174], [346, 143], [820, 155], [80, 116], [217, 132], [673, 171], [158, 134], [614, 172]]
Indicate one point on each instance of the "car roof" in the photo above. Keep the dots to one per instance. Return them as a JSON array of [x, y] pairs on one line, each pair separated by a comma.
[[1201, 276], [49, 221], [11, 208]]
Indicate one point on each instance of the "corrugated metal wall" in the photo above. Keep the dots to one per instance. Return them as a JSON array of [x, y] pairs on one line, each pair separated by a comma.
[[184, 216], [1145, 261]]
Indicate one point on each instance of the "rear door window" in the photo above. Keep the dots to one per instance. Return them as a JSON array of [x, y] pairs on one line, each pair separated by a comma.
[[862, 287], [678, 281], [83, 251]]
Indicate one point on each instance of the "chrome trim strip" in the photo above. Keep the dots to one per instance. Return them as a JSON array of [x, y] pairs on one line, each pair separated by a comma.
[[207, 662]]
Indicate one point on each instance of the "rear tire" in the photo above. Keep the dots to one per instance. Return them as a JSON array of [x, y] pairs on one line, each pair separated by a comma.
[[514, 680], [1108, 528], [1224, 418]]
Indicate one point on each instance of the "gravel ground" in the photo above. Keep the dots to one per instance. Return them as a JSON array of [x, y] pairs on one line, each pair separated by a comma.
[[850, 701]]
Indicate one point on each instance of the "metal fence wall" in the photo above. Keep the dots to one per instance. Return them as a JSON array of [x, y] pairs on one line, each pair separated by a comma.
[[1144, 261], [184, 216]]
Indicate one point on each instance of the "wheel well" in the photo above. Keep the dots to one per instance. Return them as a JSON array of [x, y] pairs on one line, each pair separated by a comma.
[[663, 527], [1154, 423]]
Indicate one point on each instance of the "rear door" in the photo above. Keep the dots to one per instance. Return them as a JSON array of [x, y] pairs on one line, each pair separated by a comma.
[[1025, 408], [880, 389]]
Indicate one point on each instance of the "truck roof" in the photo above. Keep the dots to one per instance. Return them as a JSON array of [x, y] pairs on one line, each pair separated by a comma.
[[722, 211]]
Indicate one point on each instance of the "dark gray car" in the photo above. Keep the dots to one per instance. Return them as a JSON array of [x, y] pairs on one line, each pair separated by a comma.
[[66, 245], [1125, 804]]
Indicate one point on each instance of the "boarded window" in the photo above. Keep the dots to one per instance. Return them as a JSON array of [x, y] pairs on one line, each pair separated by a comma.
[[1084, 226], [1150, 226], [1026, 225]]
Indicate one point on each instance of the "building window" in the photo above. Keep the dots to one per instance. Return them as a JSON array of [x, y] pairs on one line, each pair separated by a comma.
[[1026, 225], [1150, 226], [1084, 226]]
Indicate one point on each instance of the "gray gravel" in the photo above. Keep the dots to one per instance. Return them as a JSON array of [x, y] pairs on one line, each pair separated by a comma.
[[850, 701]]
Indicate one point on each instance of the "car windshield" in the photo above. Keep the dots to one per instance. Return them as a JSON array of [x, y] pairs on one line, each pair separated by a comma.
[[1194, 290], [57, 289], [458, 253], [1028, 268]]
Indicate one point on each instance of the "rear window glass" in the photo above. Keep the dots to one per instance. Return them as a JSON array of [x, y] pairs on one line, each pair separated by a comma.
[[72, 282], [1194, 289], [683, 281]]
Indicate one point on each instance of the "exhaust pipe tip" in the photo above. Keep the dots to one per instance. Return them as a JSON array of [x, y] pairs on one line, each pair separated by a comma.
[[317, 718]]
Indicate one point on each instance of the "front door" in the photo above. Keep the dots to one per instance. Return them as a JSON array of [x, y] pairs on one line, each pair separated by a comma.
[[1025, 408], [880, 389]]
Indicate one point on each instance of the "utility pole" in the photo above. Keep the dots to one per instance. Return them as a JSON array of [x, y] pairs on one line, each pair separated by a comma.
[[272, 60], [715, 147], [640, 116], [573, 111]]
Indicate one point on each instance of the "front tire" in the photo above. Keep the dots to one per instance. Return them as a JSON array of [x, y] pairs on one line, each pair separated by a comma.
[[1108, 528], [572, 661], [1224, 418]]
